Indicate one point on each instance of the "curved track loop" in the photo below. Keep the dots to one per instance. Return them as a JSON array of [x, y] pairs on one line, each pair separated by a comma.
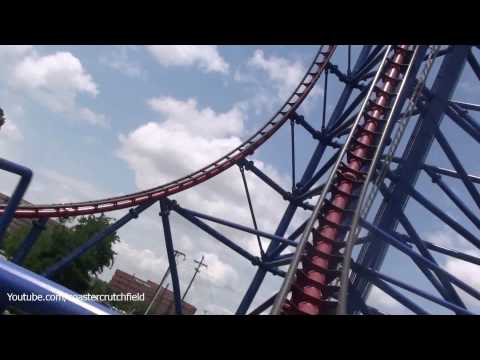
[[312, 288], [248, 147]]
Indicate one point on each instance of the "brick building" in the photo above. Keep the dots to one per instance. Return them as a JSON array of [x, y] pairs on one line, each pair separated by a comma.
[[123, 282]]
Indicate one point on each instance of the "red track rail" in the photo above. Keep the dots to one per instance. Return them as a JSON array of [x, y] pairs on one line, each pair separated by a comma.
[[318, 65], [312, 287]]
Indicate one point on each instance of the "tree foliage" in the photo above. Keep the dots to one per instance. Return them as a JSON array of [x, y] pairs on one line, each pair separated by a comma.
[[60, 239]]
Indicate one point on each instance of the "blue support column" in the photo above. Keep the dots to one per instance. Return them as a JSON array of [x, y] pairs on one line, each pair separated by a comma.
[[95, 239], [25, 178], [37, 227], [164, 213], [373, 253]]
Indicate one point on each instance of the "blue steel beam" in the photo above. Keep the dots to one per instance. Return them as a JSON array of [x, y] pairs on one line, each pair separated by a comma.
[[303, 192], [373, 59], [95, 239], [172, 263], [454, 225], [439, 249], [464, 114], [450, 173], [398, 244], [261, 308], [25, 178], [442, 171], [466, 106], [300, 120], [355, 301], [371, 274], [37, 227], [15, 279], [437, 179], [236, 226], [308, 173], [474, 64], [402, 299], [457, 166], [372, 253], [445, 289], [214, 233], [465, 122], [452, 253], [249, 165]]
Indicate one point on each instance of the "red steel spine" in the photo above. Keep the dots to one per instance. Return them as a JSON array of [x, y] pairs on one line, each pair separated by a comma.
[[310, 290]]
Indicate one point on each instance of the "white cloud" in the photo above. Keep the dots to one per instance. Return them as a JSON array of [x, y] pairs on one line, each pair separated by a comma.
[[285, 73], [206, 57], [384, 302], [468, 273], [144, 261], [11, 131], [448, 238], [220, 271], [92, 117], [11, 135], [57, 72], [273, 79], [53, 80], [121, 61], [11, 53], [185, 116], [50, 186]]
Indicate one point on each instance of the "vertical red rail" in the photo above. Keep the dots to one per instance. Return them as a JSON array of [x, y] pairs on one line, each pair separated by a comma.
[[311, 288]]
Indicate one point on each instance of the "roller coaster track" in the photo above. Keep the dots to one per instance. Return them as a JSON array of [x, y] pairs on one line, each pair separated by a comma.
[[312, 287], [318, 65]]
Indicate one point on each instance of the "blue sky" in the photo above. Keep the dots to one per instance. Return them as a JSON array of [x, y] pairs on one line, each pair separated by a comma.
[[96, 121]]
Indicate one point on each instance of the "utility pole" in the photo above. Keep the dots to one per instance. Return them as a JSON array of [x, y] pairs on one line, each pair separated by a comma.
[[177, 253], [197, 270]]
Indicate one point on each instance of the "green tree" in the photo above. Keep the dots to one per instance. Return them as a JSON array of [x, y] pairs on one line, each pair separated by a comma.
[[59, 240]]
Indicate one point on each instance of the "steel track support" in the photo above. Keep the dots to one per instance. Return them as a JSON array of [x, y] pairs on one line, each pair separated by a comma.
[[95, 239], [249, 166], [37, 227], [172, 263], [17, 196], [376, 276], [308, 173], [407, 250], [232, 225], [373, 253]]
